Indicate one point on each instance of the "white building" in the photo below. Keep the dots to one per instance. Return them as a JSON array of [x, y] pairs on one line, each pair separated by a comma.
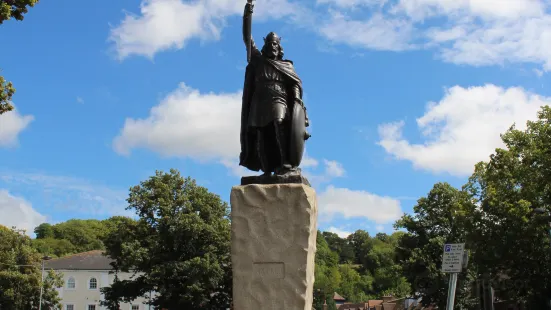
[[83, 275]]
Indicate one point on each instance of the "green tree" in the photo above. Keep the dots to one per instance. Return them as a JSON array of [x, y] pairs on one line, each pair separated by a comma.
[[11, 9], [360, 243], [327, 276], [340, 246], [380, 263], [54, 247], [21, 274], [354, 286], [75, 235], [15, 9], [446, 215], [6, 93], [179, 247], [511, 240], [85, 235], [44, 230]]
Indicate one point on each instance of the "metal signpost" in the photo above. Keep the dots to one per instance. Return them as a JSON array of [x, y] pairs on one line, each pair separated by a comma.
[[452, 263]]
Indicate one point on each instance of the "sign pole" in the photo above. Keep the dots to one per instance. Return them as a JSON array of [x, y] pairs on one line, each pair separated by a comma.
[[454, 260], [451, 291]]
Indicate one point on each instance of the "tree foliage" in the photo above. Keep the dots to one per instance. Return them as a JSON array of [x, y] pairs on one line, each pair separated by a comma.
[[444, 216], [15, 9], [179, 247], [512, 241], [21, 274], [359, 268], [74, 236], [493, 214], [6, 93]]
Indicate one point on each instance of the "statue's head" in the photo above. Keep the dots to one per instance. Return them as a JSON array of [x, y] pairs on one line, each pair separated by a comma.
[[272, 46]]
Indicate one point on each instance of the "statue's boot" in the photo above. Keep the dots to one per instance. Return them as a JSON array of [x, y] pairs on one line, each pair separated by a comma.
[[285, 167], [260, 150]]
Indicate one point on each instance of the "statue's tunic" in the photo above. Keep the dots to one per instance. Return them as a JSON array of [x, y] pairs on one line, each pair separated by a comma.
[[269, 101], [271, 87]]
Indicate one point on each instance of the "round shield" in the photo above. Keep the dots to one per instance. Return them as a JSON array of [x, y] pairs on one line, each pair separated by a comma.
[[298, 135]]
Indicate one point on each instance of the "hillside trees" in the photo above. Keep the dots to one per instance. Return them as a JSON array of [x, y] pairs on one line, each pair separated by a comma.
[[327, 276], [180, 246], [74, 236], [369, 271]]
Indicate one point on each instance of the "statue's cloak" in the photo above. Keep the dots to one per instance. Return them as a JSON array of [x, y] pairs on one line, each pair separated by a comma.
[[249, 154]]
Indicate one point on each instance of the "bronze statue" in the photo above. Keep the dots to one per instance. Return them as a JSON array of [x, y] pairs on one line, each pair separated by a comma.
[[273, 115]]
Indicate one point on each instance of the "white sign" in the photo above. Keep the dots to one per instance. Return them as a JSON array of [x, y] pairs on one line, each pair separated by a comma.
[[452, 260]]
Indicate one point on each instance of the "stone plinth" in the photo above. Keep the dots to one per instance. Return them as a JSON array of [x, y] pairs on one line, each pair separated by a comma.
[[274, 229]]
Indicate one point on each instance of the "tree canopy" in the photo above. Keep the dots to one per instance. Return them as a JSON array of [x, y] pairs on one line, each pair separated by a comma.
[[15, 9], [493, 214], [179, 247], [21, 274]]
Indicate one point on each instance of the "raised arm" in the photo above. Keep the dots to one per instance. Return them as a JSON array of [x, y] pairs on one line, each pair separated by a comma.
[[247, 36]]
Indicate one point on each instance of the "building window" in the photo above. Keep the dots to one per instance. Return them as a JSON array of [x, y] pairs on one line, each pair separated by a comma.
[[69, 307], [93, 284], [91, 307], [71, 283], [135, 307]]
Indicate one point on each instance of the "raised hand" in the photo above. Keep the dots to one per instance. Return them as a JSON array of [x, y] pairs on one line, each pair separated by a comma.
[[249, 7]]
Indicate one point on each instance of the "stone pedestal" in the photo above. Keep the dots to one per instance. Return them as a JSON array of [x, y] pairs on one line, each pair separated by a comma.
[[274, 229]]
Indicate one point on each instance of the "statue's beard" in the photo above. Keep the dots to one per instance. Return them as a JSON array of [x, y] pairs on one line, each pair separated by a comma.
[[272, 53]]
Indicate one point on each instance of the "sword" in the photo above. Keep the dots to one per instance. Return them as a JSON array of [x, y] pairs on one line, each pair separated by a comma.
[[249, 26]]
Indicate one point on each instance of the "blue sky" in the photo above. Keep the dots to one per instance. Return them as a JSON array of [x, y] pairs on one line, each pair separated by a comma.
[[401, 94]]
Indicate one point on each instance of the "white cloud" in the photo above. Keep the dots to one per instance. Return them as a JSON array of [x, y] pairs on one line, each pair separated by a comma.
[[380, 228], [481, 32], [353, 3], [11, 125], [497, 42], [171, 24], [478, 33], [235, 169], [187, 123], [333, 168], [18, 212], [378, 32], [308, 162], [67, 194], [487, 9], [462, 128], [350, 203], [80, 100], [340, 232]]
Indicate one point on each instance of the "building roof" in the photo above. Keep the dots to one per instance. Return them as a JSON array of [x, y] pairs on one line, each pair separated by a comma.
[[374, 302], [336, 296], [92, 260]]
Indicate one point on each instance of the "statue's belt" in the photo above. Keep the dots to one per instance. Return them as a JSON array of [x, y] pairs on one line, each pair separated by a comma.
[[278, 87]]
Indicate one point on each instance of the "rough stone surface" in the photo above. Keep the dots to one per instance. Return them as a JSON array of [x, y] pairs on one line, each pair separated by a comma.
[[274, 229]]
